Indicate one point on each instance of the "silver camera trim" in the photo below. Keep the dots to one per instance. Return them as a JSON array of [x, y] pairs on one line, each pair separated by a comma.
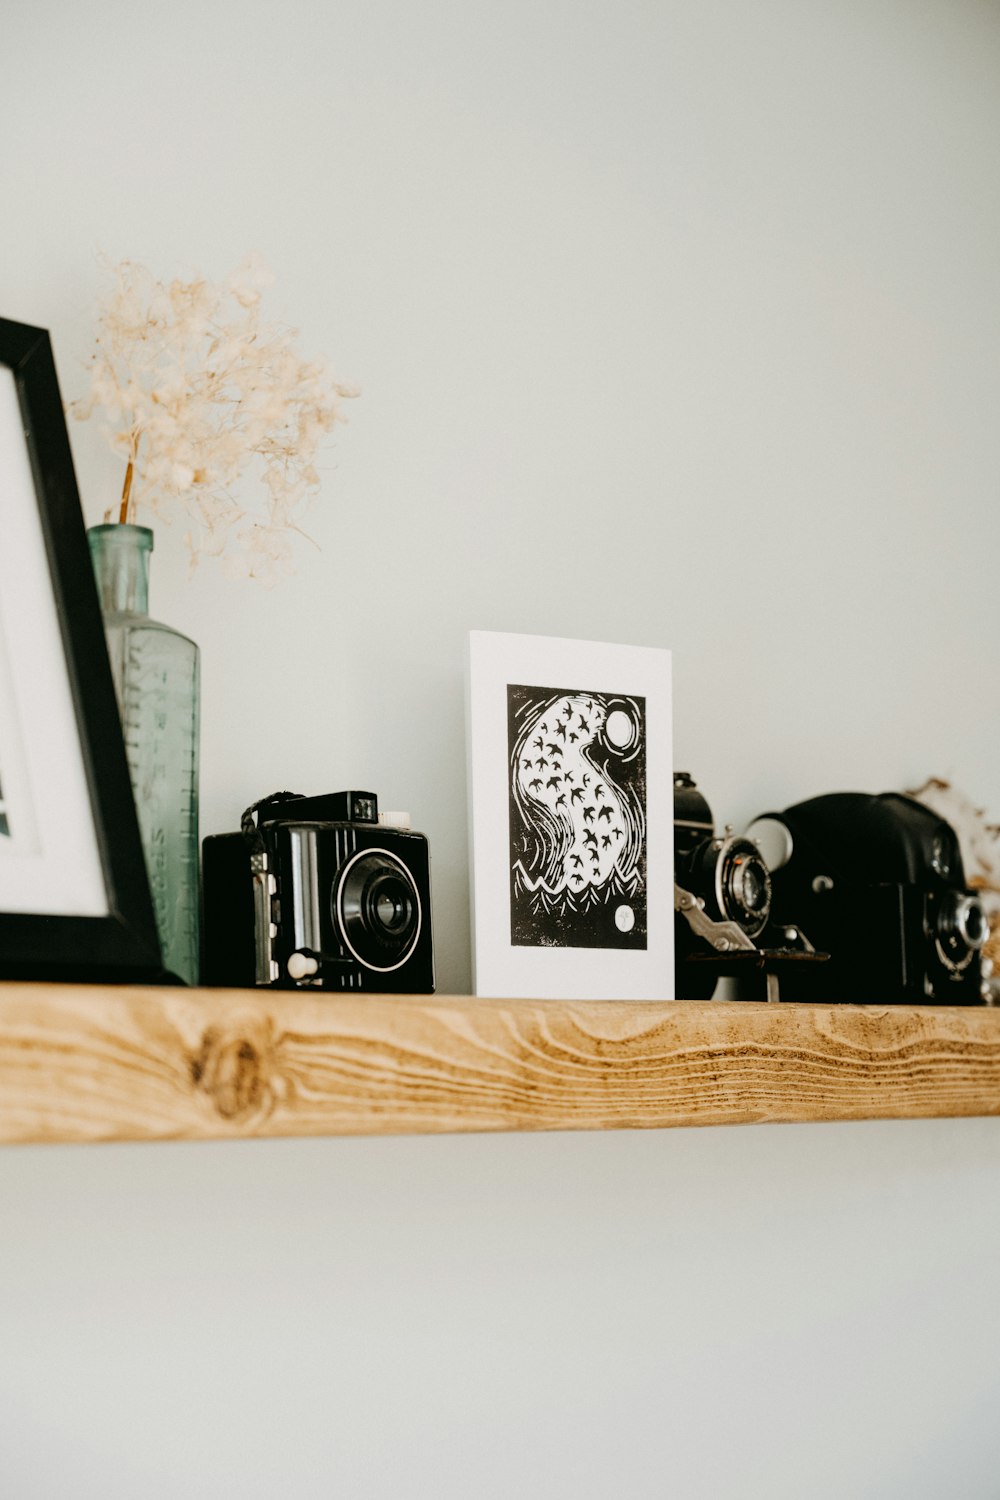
[[265, 930]]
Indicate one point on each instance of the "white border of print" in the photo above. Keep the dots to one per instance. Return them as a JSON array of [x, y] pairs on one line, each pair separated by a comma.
[[499, 968], [51, 863]]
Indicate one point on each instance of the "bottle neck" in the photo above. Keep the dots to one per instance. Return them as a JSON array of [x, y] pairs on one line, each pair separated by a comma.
[[120, 557]]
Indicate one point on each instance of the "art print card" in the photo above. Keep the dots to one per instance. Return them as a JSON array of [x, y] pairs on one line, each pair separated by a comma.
[[571, 798]]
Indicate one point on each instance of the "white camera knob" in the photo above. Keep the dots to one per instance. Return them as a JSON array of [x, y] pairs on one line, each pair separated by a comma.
[[301, 967]]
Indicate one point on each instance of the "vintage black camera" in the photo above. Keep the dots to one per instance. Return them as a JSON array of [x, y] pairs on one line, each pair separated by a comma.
[[723, 920], [318, 893], [878, 882]]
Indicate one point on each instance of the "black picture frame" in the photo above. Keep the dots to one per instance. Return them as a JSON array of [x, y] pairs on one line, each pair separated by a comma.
[[120, 943]]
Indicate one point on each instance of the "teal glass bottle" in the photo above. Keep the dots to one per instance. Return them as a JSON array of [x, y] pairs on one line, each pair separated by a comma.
[[156, 676]]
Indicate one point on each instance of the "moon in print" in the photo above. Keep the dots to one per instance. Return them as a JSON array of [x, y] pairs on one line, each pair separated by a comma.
[[591, 836], [619, 728]]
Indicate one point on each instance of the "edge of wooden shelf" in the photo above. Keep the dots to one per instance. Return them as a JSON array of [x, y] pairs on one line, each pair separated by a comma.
[[115, 1063]]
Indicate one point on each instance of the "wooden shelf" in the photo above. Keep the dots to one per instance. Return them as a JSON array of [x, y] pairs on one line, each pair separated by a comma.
[[90, 1063]]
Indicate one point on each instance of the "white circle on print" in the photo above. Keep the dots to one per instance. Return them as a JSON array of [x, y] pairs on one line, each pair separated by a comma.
[[624, 918], [619, 729]]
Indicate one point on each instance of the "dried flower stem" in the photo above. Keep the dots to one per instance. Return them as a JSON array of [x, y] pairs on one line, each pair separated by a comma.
[[123, 514]]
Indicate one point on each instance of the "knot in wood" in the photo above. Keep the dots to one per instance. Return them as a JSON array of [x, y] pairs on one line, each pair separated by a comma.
[[235, 1068]]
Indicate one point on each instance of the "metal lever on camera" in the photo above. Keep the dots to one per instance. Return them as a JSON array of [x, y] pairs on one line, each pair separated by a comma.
[[723, 936]]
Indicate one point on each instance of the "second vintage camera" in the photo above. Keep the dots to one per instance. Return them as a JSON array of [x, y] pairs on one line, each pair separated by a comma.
[[723, 919], [879, 883], [318, 892]]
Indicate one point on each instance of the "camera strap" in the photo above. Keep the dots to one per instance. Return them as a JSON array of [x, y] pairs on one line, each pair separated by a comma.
[[251, 830]]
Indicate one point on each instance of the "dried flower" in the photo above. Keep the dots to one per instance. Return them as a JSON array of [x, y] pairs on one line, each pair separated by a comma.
[[194, 387]]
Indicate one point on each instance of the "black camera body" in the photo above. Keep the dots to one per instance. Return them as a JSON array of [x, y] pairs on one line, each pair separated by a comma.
[[878, 882], [723, 918], [318, 893]]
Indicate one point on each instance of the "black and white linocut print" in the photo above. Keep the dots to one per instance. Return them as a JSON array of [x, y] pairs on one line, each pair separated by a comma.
[[577, 789]]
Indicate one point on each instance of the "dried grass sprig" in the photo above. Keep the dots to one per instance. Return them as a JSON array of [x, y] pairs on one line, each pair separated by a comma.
[[195, 388]]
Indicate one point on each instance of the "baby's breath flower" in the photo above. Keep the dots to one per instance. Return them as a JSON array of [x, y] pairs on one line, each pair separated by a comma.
[[193, 389], [249, 279]]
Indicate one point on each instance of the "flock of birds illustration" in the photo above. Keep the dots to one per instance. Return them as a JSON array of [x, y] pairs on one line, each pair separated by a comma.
[[595, 811]]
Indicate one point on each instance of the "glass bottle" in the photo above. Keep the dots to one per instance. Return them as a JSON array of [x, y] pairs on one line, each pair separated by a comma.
[[156, 676]]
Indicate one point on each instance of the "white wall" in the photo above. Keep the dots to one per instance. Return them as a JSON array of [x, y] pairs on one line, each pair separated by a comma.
[[676, 324]]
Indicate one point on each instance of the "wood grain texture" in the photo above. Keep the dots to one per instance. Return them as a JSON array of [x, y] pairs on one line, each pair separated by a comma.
[[81, 1063]]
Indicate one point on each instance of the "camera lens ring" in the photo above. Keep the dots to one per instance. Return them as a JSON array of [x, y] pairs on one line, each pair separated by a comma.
[[743, 885], [972, 924], [357, 913], [962, 930]]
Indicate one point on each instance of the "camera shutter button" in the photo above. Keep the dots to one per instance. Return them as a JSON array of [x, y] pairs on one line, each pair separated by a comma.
[[301, 967]]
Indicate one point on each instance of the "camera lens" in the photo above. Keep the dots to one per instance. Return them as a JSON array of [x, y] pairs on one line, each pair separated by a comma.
[[389, 911], [389, 904], [732, 880], [376, 908], [749, 887], [744, 886], [975, 925], [962, 929]]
